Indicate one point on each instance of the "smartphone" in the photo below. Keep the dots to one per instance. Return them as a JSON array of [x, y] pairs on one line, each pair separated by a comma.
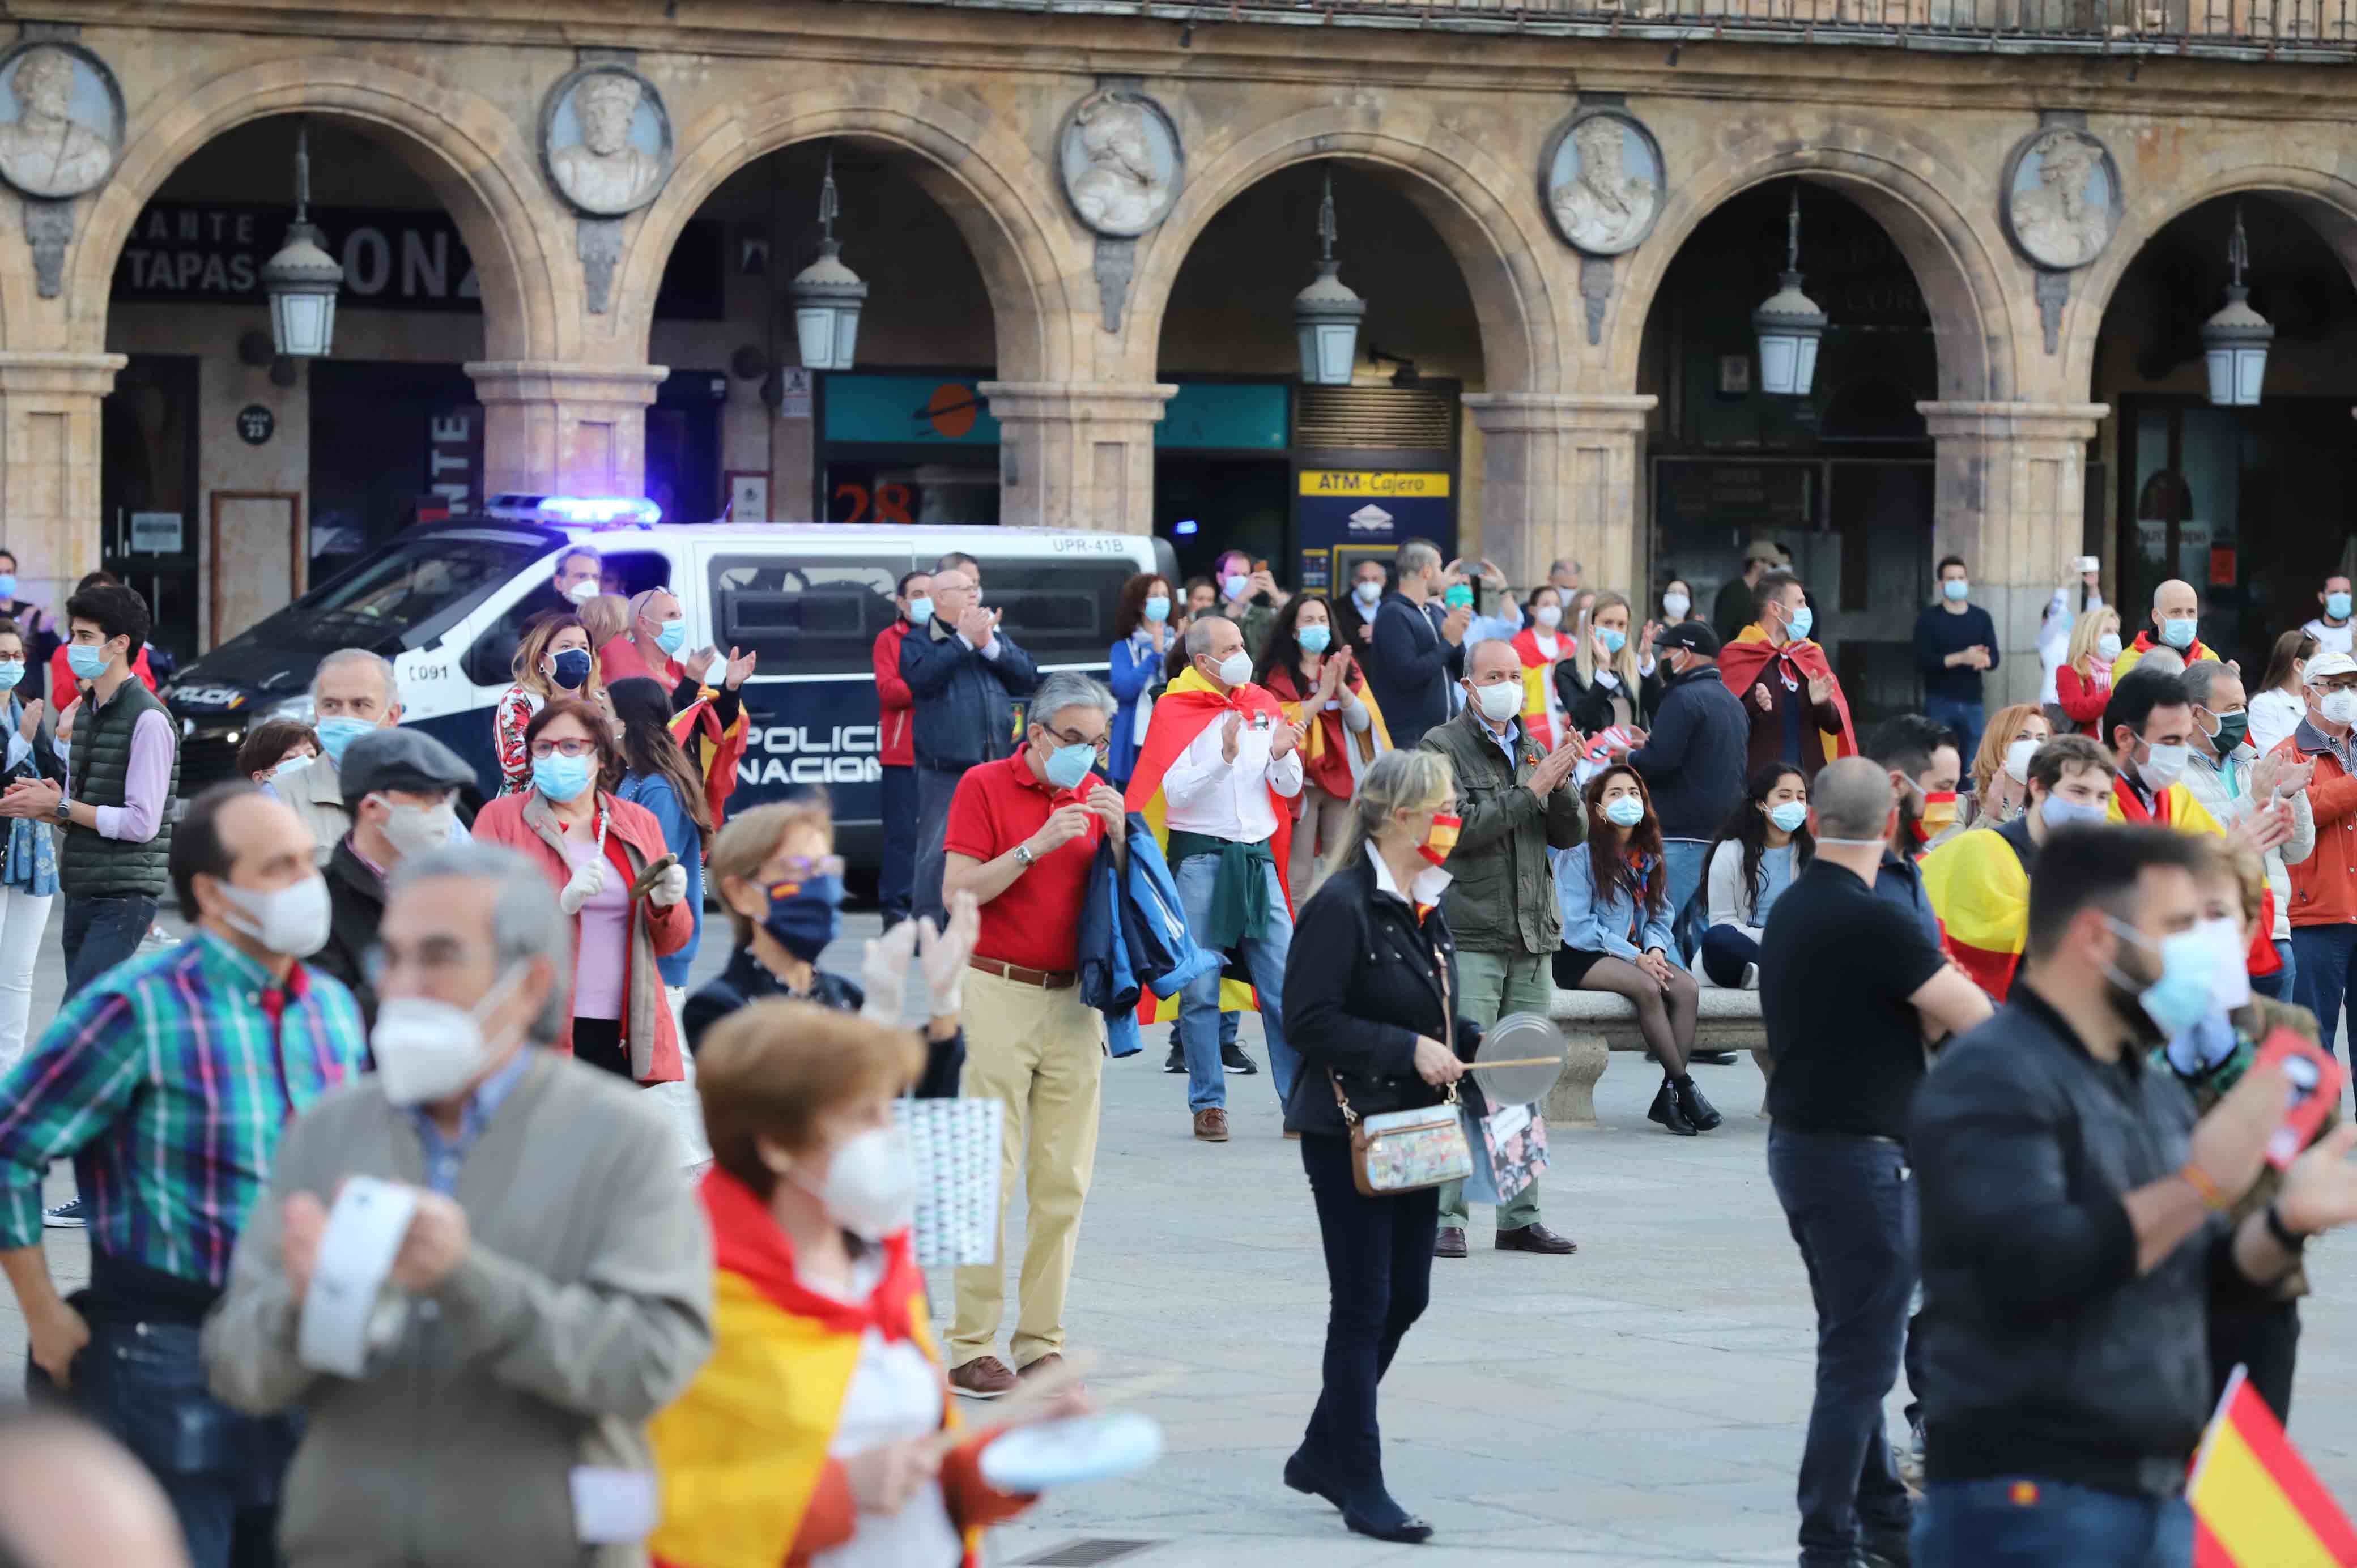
[[1260, 566], [2316, 1078], [646, 879]]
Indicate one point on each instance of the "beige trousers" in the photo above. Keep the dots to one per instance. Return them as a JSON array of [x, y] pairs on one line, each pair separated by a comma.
[[1323, 817], [1041, 1055]]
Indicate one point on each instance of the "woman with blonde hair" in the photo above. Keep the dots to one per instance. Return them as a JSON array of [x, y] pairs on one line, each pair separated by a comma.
[[553, 661], [2083, 683], [2001, 766], [1599, 682], [1370, 1003], [606, 617]]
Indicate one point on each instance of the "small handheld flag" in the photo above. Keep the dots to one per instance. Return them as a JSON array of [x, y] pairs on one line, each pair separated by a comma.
[[2256, 1502]]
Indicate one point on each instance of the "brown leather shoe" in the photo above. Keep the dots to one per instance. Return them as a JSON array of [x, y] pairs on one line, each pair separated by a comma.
[[1450, 1243], [983, 1377], [1212, 1126], [1535, 1237]]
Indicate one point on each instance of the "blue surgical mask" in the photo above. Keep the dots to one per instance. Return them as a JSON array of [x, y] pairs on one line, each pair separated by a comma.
[[11, 672], [2335, 605], [1613, 638], [2178, 633], [571, 670], [337, 733], [87, 660], [920, 611], [1803, 621], [2180, 997], [1235, 585], [2058, 812], [291, 767], [1315, 639], [1956, 590], [1068, 764], [1626, 812], [805, 917], [1367, 593], [1790, 816], [556, 775], [8, 586], [671, 635], [1157, 608]]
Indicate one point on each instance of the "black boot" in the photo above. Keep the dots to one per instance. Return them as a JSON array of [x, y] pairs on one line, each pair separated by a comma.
[[1693, 1107], [1666, 1112]]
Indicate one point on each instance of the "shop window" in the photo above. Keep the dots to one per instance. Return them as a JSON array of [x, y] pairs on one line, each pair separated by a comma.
[[804, 618]]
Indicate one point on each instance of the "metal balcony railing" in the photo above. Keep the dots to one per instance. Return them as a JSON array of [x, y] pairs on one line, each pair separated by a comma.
[[2309, 30]]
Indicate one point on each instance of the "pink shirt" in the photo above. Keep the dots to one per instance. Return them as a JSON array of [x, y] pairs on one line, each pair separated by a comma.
[[605, 940]]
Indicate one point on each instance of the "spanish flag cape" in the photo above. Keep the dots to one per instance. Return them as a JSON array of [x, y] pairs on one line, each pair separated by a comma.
[[714, 748], [1751, 659], [1328, 733], [2145, 643], [1981, 893], [1186, 705], [1538, 680], [742, 1454]]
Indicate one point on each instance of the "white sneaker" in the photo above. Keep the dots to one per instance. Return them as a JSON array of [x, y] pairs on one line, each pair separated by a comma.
[[1750, 977]]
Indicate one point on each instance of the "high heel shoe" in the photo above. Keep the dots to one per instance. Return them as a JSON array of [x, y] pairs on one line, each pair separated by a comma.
[[1304, 1474], [1665, 1110], [1694, 1108]]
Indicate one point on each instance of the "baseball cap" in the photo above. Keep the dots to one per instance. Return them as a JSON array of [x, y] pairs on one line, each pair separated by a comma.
[[2326, 665], [1763, 549], [1694, 636], [398, 759]]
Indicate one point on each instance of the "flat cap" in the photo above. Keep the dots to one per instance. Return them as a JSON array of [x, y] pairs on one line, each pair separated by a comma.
[[398, 759]]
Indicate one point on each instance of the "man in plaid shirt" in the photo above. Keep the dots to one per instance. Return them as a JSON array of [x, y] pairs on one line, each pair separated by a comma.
[[168, 1082]]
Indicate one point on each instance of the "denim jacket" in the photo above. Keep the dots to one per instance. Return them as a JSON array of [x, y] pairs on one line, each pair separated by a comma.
[[1594, 922]]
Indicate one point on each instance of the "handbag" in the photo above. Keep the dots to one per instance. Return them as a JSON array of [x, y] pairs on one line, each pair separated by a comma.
[[1406, 1151]]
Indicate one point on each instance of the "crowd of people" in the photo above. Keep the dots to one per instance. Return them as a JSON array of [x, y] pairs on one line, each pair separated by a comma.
[[2014, 968]]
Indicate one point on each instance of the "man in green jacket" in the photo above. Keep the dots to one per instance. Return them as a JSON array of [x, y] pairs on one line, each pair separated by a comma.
[[1517, 803]]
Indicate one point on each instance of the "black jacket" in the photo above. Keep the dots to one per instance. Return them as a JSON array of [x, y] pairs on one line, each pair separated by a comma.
[[1410, 668], [1588, 703], [1358, 990], [746, 981], [962, 711], [355, 910], [1694, 756], [2044, 1352]]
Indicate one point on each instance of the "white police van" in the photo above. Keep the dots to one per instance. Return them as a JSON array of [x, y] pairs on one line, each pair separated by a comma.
[[446, 603]]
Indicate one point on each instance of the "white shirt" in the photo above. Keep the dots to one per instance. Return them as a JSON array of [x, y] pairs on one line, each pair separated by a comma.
[[1207, 794], [1428, 886], [2054, 630], [2274, 716], [2333, 638], [894, 1393]]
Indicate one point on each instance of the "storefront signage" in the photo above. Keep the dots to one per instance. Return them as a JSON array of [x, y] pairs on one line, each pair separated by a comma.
[[1333, 483], [921, 411], [155, 533], [454, 456], [255, 425], [211, 253], [1234, 417]]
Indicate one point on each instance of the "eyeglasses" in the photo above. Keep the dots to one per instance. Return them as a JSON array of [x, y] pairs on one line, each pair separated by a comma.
[[545, 748], [794, 871], [1102, 747], [434, 957]]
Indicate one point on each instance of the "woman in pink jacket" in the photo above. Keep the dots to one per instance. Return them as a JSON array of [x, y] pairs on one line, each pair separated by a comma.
[[596, 849]]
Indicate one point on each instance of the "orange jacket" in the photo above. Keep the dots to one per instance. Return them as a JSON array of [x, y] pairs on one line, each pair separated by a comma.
[[2324, 885]]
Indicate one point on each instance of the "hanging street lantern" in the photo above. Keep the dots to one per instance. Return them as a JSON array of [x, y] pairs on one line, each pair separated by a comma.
[[1788, 322], [1325, 314], [2235, 341], [302, 279], [826, 295]]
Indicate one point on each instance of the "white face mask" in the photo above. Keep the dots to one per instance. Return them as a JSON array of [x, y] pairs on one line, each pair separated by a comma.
[[582, 592], [289, 921], [1500, 701], [2230, 985], [2017, 758], [1549, 616], [2164, 765], [1236, 670], [1676, 605], [1367, 593], [2337, 707], [871, 1185], [428, 1051], [414, 830]]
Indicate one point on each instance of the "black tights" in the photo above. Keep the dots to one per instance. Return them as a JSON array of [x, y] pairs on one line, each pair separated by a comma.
[[1667, 1018]]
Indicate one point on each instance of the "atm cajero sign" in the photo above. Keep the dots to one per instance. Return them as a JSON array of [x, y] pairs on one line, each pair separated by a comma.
[[1374, 482]]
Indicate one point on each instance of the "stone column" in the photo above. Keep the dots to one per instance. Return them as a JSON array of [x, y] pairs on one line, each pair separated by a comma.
[[553, 427], [1077, 455], [2010, 495], [1559, 477], [49, 467]]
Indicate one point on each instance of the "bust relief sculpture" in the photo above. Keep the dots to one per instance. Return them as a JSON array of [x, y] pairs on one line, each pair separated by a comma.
[[1120, 158], [52, 148], [2061, 201], [1603, 182], [621, 152]]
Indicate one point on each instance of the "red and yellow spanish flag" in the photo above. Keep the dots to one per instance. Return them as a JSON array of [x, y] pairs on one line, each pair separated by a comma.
[[1981, 893], [1187, 704], [714, 750], [2256, 1502], [1751, 659]]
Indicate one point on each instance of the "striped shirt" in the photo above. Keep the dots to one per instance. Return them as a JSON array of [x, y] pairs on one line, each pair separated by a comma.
[[168, 1079]]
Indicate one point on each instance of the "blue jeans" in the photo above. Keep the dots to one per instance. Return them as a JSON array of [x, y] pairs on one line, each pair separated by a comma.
[[1686, 867], [1726, 952], [1964, 718], [101, 932], [898, 878], [1199, 1005], [2021, 1521], [2280, 986], [1850, 1204], [2321, 954], [144, 1383]]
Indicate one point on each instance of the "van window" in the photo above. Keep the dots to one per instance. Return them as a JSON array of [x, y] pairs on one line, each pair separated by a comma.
[[806, 617], [1061, 611], [491, 660]]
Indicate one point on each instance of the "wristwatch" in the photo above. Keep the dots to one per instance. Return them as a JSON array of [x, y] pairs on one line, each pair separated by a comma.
[[63, 811], [1023, 856]]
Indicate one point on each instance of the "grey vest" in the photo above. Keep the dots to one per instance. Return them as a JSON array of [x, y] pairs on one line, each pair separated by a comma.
[[92, 865]]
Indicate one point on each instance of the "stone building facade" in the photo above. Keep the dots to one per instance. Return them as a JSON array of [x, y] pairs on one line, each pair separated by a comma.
[[1918, 120]]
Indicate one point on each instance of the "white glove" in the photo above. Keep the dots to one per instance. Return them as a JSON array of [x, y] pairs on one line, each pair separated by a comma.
[[943, 954], [586, 884], [884, 973], [670, 888]]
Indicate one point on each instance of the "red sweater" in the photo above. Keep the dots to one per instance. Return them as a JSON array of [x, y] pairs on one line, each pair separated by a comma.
[[2084, 698], [895, 705]]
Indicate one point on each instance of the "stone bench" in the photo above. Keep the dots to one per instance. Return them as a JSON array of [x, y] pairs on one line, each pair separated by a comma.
[[1597, 1023]]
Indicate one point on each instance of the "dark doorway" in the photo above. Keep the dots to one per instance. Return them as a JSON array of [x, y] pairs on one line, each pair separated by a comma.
[[1207, 505]]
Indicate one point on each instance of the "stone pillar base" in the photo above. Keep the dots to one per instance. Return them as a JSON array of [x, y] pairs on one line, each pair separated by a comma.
[[561, 428], [1572, 1102], [2010, 498], [1077, 455], [1559, 477], [50, 466]]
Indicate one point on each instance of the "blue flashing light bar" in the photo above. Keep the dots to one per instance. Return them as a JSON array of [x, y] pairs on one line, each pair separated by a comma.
[[1183, 527], [600, 511]]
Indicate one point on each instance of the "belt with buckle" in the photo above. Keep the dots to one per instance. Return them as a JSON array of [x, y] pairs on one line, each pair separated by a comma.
[[1045, 979]]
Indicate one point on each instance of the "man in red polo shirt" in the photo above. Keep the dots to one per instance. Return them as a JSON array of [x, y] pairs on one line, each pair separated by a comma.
[[1022, 837]]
